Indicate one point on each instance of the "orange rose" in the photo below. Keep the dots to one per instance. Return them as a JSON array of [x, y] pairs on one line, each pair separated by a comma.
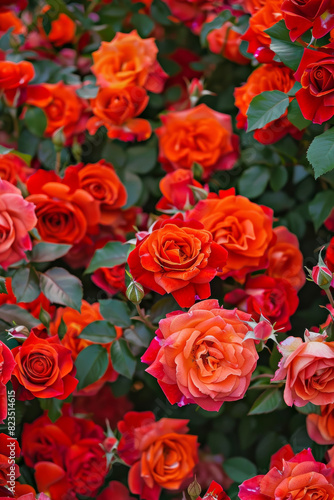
[[308, 368], [226, 41], [64, 212], [116, 109], [160, 453], [200, 356], [239, 225], [320, 428], [128, 61], [62, 29], [44, 369], [264, 78], [8, 19], [13, 168], [15, 75], [103, 184], [75, 322], [285, 258], [197, 135]]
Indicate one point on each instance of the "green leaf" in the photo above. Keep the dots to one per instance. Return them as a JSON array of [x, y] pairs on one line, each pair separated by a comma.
[[114, 153], [62, 329], [161, 13], [4, 150], [35, 121], [91, 363], [12, 313], [47, 252], [88, 91], [3, 288], [309, 408], [253, 181], [47, 154], [265, 108], [217, 23], [5, 39], [143, 24], [141, 159], [101, 332], [290, 53], [53, 406], [61, 287], [239, 469], [133, 186], [321, 153], [112, 254], [267, 402], [44, 317], [115, 311], [278, 177], [25, 284], [122, 358], [295, 116], [320, 207]]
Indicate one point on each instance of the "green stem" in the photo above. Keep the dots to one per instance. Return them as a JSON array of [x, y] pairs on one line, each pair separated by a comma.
[[330, 297], [58, 162], [144, 318]]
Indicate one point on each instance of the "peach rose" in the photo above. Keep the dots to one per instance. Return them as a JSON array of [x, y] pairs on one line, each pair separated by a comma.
[[200, 357], [320, 428], [197, 135], [17, 217], [285, 258], [239, 225], [308, 368], [290, 477], [128, 60]]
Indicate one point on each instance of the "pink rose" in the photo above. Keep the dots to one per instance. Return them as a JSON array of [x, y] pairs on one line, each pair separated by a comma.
[[308, 368], [17, 217]]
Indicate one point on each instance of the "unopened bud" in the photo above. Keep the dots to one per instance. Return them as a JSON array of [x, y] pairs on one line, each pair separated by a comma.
[[77, 151], [321, 274], [19, 332], [58, 139], [194, 489], [135, 292], [198, 171]]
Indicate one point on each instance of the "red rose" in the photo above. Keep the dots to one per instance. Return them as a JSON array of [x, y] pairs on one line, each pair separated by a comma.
[[330, 255], [316, 74], [274, 298], [176, 190], [302, 15], [177, 257], [44, 369], [110, 279]]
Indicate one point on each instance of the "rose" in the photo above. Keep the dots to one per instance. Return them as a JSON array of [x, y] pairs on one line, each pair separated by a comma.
[[197, 135], [17, 217], [285, 258], [64, 211], [116, 491], [226, 41], [330, 255], [176, 190], [308, 368], [15, 75], [44, 369], [177, 257], [128, 61], [301, 15], [160, 454], [291, 476], [265, 78], [274, 298], [13, 168], [62, 29], [320, 428], [201, 357], [110, 279], [241, 226], [215, 492], [7, 364], [315, 72], [103, 184], [8, 19], [75, 322]]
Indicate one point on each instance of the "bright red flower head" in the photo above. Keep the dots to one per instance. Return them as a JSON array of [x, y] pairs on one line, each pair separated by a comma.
[[302, 15]]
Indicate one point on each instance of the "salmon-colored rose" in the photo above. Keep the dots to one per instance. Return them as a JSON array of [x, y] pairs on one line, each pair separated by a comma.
[[177, 257], [116, 110], [258, 40], [8, 19], [13, 168], [200, 357], [239, 225], [290, 476], [308, 368], [103, 184], [226, 41], [64, 211], [161, 454], [176, 190], [320, 428], [62, 29], [17, 217], [285, 258], [127, 61], [75, 322], [44, 369], [197, 135], [264, 78]]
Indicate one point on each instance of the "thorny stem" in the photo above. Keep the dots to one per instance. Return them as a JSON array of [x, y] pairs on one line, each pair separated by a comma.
[[144, 318]]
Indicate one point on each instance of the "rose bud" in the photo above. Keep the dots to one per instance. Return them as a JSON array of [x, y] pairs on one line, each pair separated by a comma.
[[135, 292], [321, 275], [194, 489]]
